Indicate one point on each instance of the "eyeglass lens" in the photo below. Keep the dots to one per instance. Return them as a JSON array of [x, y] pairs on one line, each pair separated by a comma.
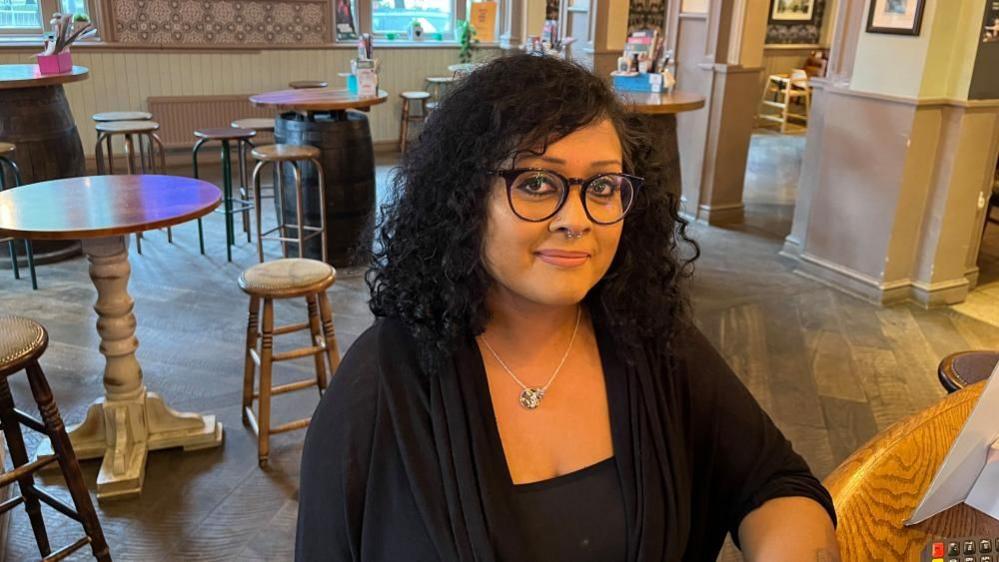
[[536, 195]]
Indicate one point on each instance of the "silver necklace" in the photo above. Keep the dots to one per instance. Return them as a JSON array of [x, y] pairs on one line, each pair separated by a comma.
[[530, 397]]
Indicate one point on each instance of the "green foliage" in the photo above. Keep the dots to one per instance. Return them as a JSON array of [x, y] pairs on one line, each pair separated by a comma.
[[466, 41]]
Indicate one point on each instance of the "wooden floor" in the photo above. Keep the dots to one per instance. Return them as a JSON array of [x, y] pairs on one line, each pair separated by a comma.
[[830, 369]]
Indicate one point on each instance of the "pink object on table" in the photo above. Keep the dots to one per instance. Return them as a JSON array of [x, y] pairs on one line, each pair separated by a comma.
[[55, 64]]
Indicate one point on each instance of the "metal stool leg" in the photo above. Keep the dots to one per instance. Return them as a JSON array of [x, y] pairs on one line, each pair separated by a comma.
[[257, 199], [299, 208], [155, 144], [194, 158], [130, 165], [230, 230], [321, 178], [243, 185]]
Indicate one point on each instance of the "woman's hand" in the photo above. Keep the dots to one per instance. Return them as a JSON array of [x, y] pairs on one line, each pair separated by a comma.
[[789, 529]]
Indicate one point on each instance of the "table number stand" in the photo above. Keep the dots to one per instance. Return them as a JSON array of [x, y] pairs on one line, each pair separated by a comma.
[[970, 472], [129, 421]]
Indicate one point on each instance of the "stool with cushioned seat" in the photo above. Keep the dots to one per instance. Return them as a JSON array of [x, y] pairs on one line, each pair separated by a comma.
[[264, 283]]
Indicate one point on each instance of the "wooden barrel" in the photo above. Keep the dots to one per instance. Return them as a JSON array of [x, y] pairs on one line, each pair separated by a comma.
[[346, 153], [38, 121]]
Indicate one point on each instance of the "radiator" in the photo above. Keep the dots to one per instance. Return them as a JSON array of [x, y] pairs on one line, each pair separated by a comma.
[[180, 116]]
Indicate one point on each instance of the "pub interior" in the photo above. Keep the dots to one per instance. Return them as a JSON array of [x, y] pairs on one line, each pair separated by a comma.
[[193, 192]]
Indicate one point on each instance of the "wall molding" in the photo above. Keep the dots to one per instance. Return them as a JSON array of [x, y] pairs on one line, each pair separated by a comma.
[[921, 103]]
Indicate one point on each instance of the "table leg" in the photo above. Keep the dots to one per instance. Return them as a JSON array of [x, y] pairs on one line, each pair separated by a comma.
[[128, 421]]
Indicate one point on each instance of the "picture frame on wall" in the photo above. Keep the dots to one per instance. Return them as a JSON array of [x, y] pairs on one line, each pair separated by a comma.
[[899, 17], [797, 11]]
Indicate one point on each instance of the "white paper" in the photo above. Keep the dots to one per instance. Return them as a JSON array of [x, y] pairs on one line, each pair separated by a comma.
[[963, 476]]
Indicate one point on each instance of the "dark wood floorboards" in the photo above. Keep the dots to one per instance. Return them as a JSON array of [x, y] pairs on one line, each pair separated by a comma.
[[830, 369]]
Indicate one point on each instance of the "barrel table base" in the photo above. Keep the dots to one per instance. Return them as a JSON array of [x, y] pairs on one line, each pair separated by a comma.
[[344, 142], [48, 147], [129, 421]]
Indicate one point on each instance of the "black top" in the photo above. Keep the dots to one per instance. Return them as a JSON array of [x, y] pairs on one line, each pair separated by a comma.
[[577, 516], [402, 465]]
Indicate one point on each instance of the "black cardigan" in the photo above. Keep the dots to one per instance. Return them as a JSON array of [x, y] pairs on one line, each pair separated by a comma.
[[399, 465]]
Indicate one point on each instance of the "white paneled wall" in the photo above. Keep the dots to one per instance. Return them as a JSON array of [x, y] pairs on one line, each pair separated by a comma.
[[123, 80]]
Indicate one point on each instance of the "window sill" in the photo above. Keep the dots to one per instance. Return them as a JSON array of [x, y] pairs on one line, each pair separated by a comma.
[[34, 45]]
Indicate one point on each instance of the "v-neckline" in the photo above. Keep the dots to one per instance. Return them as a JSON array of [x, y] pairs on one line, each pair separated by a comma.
[[616, 407]]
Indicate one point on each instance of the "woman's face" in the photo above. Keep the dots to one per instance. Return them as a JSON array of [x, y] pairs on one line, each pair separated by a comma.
[[557, 261]]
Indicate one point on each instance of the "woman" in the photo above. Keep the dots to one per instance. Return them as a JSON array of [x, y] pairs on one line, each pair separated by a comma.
[[533, 388]]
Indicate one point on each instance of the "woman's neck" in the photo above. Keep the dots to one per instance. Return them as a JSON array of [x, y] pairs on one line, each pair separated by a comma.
[[519, 323]]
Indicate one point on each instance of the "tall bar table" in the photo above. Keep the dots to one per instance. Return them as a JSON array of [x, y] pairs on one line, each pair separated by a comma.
[[128, 421], [35, 116], [661, 110], [320, 117]]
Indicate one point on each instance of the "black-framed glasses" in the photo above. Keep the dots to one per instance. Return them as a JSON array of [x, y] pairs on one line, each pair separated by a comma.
[[537, 194]]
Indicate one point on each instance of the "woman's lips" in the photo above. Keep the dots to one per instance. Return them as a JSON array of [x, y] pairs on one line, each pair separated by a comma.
[[563, 258]]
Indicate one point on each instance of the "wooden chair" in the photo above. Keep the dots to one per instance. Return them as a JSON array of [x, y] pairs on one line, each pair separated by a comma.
[[7, 164], [265, 283], [781, 92], [22, 343], [231, 204], [416, 97], [292, 156], [966, 368], [145, 133]]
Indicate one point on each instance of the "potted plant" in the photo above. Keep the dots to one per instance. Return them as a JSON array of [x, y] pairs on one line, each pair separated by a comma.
[[466, 40], [415, 29]]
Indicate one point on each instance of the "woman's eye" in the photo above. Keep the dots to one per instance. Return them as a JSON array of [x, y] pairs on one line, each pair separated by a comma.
[[602, 188], [537, 184]]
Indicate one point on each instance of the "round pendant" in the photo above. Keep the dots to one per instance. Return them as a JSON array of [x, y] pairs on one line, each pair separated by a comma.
[[530, 398]]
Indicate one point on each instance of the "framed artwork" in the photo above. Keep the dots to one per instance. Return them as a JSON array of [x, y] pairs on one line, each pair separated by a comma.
[[901, 17], [792, 10]]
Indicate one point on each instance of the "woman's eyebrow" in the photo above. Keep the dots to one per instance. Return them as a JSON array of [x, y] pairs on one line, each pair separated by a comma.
[[554, 160]]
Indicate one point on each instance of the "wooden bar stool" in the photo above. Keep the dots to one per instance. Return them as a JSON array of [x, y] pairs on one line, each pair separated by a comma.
[[267, 282], [307, 84], [22, 342], [419, 98], [232, 205], [7, 164], [437, 87], [289, 155], [147, 163], [258, 125]]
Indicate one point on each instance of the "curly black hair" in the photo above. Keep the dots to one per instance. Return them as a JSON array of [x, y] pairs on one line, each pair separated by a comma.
[[427, 269]]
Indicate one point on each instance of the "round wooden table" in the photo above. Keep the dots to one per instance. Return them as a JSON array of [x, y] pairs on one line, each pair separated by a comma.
[[320, 117], [660, 110], [128, 421], [879, 486], [35, 116]]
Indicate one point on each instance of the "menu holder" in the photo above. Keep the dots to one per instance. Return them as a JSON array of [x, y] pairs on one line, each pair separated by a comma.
[[970, 472]]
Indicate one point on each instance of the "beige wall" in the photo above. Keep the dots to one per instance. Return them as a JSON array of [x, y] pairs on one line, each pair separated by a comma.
[[951, 57], [123, 80], [894, 64], [694, 6]]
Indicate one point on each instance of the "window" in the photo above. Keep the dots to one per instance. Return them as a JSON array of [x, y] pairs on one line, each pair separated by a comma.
[[30, 17], [397, 16]]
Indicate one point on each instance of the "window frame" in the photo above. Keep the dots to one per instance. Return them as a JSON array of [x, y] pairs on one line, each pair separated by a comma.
[[365, 22], [48, 7]]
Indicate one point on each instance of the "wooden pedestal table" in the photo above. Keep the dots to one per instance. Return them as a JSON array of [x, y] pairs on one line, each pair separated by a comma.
[[661, 110], [35, 117], [319, 117], [879, 486], [128, 421]]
